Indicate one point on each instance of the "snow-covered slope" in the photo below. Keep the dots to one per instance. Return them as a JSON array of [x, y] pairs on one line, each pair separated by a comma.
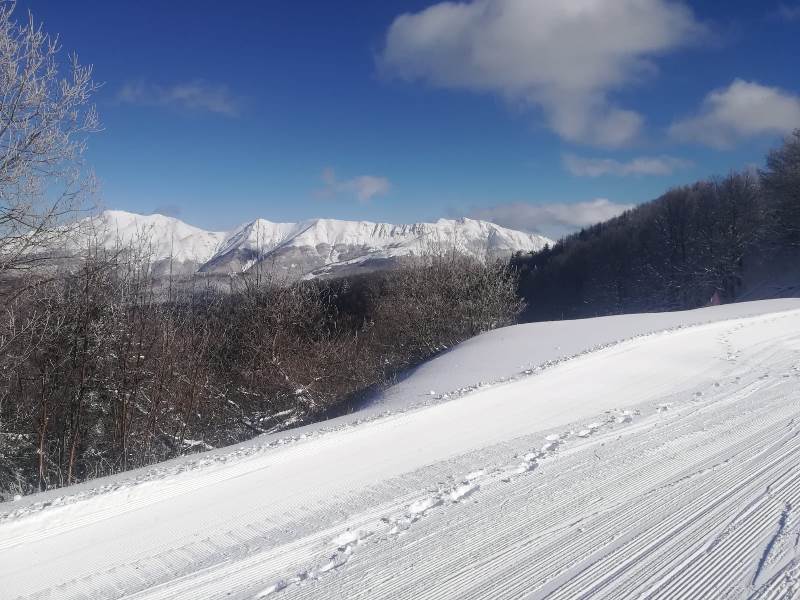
[[155, 235], [665, 466], [309, 248]]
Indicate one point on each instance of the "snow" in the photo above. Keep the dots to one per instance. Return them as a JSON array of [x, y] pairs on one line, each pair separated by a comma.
[[163, 237], [325, 242], [563, 482], [524, 349], [381, 239]]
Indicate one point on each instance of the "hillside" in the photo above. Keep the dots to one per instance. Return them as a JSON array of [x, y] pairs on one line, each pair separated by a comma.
[[665, 465], [311, 248], [719, 240]]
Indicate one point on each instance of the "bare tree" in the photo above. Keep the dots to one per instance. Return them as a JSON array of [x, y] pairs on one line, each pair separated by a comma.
[[437, 300], [781, 183], [45, 118]]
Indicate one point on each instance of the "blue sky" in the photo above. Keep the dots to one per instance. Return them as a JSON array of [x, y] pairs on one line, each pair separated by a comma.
[[540, 115]]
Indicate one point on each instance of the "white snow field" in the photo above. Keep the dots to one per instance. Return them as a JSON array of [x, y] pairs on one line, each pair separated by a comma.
[[664, 466]]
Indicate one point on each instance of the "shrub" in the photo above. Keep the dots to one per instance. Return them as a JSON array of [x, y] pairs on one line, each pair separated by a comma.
[[101, 370]]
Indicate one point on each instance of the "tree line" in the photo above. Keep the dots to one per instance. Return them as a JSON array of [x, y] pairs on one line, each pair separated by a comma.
[[719, 240], [100, 372]]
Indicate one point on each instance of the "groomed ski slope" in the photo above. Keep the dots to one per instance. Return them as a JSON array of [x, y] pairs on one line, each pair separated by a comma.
[[664, 466]]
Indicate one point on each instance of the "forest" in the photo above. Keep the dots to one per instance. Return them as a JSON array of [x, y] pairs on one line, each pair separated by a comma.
[[716, 241]]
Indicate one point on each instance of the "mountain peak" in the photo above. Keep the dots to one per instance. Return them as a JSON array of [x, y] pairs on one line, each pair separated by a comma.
[[307, 248]]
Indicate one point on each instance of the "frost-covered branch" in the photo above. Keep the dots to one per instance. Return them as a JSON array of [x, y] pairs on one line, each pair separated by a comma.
[[46, 117]]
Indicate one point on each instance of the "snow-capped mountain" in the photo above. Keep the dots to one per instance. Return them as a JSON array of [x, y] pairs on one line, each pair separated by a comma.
[[305, 249], [157, 235]]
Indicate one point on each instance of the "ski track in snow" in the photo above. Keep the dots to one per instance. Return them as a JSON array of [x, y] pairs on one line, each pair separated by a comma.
[[663, 467]]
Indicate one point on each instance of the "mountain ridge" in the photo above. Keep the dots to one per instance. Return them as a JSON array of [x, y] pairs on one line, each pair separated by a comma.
[[310, 248]]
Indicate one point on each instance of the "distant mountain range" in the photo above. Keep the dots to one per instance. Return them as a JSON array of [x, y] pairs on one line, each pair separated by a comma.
[[313, 248]]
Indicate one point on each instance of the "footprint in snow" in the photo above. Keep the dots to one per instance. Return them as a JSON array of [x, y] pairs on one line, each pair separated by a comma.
[[344, 543], [276, 587], [474, 475], [350, 538], [550, 447], [509, 473], [420, 507], [463, 491], [590, 429], [625, 417]]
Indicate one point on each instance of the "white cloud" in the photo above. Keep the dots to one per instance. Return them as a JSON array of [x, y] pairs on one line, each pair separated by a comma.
[[554, 220], [643, 165], [363, 187], [191, 95], [742, 110], [563, 57], [789, 12]]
